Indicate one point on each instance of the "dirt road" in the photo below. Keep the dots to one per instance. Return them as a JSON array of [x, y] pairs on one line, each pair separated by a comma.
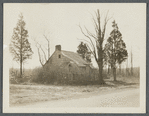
[[124, 98]]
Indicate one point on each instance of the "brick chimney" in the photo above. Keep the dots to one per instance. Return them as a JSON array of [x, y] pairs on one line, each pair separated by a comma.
[[58, 47]]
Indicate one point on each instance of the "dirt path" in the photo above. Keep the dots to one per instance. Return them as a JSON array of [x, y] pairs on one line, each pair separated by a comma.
[[124, 98]]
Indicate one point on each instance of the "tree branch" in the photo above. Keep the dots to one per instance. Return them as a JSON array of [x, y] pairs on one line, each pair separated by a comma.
[[48, 45], [92, 35], [43, 52], [88, 38], [38, 46], [104, 28], [93, 52], [39, 56]]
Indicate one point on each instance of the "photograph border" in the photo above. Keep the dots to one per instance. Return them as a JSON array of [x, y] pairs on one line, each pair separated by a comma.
[[45, 1]]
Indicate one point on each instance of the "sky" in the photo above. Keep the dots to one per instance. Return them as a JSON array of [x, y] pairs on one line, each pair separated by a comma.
[[59, 22]]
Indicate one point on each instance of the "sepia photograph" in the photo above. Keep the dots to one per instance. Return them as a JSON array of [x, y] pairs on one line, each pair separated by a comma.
[[74, 58]]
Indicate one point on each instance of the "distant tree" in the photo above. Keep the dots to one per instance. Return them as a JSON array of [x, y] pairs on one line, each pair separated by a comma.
[[84, 52], [20, 47], [131, 63], [115, 49]]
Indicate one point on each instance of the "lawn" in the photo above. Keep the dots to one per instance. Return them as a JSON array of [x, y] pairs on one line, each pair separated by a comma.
[[24, 94]]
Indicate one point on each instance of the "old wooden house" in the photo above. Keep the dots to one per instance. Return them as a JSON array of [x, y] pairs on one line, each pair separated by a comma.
[[69, 64]]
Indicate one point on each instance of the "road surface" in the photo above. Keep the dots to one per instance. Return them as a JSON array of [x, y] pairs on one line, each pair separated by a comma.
[[124, 98]]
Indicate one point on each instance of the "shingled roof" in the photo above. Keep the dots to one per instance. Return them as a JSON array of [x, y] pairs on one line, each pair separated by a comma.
[[75, 58]]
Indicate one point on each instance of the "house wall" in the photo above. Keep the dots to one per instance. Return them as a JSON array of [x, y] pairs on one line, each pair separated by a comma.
[[70, 72], [55, 62]]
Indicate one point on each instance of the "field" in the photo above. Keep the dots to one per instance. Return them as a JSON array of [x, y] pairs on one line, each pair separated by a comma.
[[27, 94]]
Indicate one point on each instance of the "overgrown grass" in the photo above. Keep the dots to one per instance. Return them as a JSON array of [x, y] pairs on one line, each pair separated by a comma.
[[42, 86], [24, 94], [40, 76]]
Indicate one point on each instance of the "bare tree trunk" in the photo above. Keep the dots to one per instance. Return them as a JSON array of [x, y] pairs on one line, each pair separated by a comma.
[[40, 57], [100, 72], [48, 46], [120, 69], [100, 64], [48, 50], [108, 69], [127, 68], [114, 73]]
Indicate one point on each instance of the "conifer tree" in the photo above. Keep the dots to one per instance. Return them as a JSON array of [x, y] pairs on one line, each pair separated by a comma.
[[84, 52], [115, 49], [20, 47]]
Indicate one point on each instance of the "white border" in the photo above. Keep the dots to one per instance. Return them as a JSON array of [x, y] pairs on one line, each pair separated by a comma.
[[141, 109]]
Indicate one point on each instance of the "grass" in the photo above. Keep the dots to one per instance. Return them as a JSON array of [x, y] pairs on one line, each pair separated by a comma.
[[24, 94]]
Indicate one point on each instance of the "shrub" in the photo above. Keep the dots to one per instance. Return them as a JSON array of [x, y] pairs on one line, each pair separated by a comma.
[[37, 75]]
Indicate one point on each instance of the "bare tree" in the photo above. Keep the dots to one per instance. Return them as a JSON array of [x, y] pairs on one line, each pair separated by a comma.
[[127, 70], [43, 58], [40, 49], [95, 43], [48, 45], [131, 62]]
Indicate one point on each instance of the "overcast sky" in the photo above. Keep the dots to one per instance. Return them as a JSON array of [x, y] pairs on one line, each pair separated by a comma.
[[60, 23]]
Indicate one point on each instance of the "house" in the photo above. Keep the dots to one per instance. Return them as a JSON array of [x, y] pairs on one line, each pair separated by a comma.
[[69, 64]]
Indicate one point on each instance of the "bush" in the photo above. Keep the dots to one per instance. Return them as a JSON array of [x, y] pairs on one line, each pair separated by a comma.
[[37, 75], [49, 77]]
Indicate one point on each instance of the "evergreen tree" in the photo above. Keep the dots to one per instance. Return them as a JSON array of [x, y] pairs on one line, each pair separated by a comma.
[[20, 47], [115, 49], [84, 52]]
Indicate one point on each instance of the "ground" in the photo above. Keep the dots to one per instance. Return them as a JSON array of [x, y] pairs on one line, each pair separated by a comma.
[[21, 95], [125, 98]]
